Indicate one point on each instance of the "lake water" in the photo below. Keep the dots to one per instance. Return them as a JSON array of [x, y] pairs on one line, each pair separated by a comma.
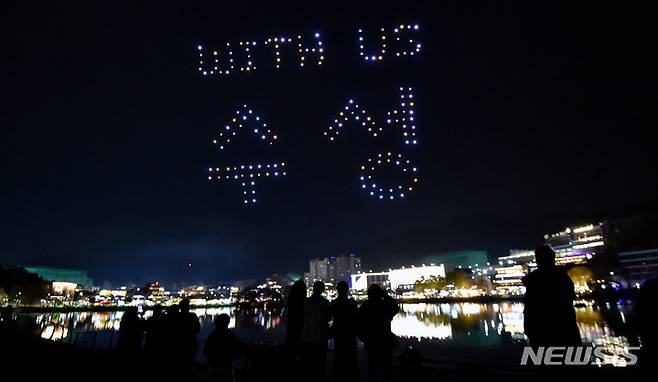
[[438, 331]]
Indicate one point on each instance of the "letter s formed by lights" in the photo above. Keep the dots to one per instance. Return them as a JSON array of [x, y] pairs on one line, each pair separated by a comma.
[[246, 174], [402, 118]]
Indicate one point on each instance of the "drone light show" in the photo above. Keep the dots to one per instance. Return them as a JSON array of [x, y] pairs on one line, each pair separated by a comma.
[[402, 117], [245, 118], [240, 57], [399, 41], [280, 51], [247, 175], [387, 192]]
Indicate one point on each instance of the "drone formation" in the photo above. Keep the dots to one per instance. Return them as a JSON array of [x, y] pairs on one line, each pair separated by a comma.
[[403, 118], [241, 57], [302, 50], [369, 184], [244, 117], [396, 43], [247, 175]]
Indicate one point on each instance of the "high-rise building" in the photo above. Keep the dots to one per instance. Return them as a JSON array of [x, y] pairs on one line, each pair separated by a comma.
[[347, 266], [333, 269]]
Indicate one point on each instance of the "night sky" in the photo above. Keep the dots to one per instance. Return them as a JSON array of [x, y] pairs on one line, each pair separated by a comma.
[[530, 116]]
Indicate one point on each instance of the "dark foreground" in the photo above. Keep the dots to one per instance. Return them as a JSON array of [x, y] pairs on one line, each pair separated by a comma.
[[32, 358]]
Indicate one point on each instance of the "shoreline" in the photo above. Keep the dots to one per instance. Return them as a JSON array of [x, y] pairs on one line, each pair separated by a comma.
[[116, 308], [428, 300]]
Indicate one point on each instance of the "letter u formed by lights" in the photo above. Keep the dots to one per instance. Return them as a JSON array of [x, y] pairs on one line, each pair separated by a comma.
[[399, 41]]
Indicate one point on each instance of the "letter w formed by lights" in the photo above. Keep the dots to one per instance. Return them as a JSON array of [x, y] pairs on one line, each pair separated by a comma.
[[402, 118], [273, 52], [246, 174]]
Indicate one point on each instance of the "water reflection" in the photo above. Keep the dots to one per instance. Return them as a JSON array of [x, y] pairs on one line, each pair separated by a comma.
[[456, 324]]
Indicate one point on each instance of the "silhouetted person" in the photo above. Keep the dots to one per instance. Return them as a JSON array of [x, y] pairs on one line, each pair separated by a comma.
[[130, 332], [645, 315], [221, 349], [295, 314], [171, 342], [375, 316], [343, 329], [294, 317], [549, 315], [6, 320], [317, 314], [188, 327], [154, 339]]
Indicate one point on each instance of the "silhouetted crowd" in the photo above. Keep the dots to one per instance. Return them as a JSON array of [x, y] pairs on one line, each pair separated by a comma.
[[308, 331], [172, 333], [549, 320]]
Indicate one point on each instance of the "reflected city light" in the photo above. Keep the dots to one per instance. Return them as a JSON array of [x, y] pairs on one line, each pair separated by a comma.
[[409, 326], [429, 323]]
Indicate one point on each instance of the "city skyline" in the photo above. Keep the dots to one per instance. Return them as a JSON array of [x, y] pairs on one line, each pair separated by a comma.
[[110, 136]]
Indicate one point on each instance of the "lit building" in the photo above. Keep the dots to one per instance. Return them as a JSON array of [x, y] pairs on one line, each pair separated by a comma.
[[320, 269], [509, 279], [63, 288], [362, 281], [346, 266], [405, 278], [155, 292], [577, 245], [333, 269], [638, 266]]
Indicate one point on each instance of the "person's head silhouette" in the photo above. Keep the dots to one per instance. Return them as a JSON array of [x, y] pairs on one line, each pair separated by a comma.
[[131, 313], [222, 321], [375, 293], [184, 306], [342, 288], [318, 288], [545, 256], [157, 310]]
